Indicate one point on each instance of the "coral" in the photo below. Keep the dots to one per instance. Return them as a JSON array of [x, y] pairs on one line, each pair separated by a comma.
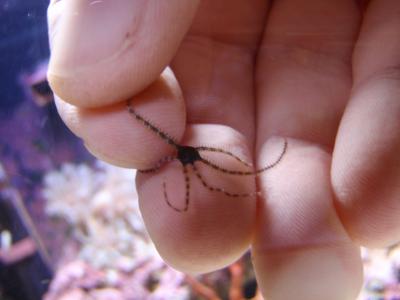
[[116, 259], [100, 205], [382, 274]]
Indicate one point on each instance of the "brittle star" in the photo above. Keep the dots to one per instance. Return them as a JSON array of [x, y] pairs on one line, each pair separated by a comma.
[[188, 156]]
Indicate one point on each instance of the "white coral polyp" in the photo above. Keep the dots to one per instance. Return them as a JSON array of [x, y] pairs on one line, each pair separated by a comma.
[[100, 204]]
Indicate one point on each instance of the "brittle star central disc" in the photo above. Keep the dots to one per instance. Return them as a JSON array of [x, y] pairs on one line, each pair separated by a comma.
[[189, 156]]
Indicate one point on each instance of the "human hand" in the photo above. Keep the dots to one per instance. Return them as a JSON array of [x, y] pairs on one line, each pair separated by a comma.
[[324, 73]]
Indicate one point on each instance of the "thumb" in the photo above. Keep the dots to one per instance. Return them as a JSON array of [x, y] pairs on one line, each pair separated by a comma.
[[106, 51]]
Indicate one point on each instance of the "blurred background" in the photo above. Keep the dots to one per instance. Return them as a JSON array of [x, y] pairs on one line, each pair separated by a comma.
[[70, 227]]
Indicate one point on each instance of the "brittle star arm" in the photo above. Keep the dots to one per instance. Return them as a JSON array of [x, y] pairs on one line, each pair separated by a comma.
[[153, 128], [187, 192], [212, 149], [256, 172], [277, 161], [159, 164], [217, 189]]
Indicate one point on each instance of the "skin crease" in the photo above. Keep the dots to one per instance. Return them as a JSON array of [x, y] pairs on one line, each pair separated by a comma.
[[242, 74]]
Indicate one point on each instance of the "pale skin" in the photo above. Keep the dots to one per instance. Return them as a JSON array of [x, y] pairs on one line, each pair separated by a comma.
[[239, 75]]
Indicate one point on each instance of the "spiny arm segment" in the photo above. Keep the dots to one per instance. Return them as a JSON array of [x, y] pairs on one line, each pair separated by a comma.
[[217, 189], [212, 149], [149, 125], [277, 161], [187, 193], [256, 172]]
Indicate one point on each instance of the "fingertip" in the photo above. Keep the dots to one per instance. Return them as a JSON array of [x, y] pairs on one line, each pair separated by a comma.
[[369, 226], [216, 229], [300, 248], [104, 52], [112, 134], [328, 272], [371, 220], [366, 165]]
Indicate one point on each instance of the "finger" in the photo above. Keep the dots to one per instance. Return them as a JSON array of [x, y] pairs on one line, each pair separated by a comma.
[[304, 69], [301, 250], [216, 229], [305, 55], [114, 135], [366, 164], [215, 63], [215, 86], [104, 52], [214, 66]]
